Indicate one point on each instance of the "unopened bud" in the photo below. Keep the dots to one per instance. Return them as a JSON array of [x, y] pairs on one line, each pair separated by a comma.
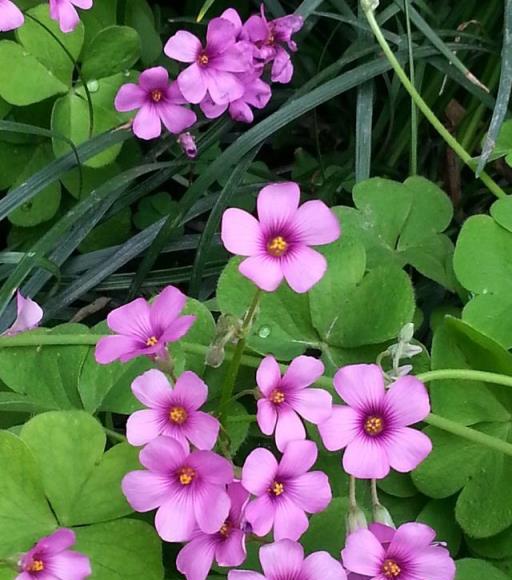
[[215, 356], [382, 516], [407, 332], [187, 143], [356, 520]]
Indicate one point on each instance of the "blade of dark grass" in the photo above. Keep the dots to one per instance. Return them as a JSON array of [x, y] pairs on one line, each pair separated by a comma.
[[505, 87]]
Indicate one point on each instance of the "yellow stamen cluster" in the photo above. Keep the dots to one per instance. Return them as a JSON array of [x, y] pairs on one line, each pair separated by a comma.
[[36, 566], [157, 95], [277, 246], [186, 475], [391, 569], [152, 341], [277, 488], [203, 59], [373, 426], [225, 529], [178, 415], [277, 397]]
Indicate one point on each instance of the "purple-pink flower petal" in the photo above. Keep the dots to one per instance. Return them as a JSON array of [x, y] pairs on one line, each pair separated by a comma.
[[290, 521], [340, 428], [266, 416], [11, 17], [314, 405], [195, 559], [152, 389], [323, 566], [147, 124], [193, 83], [407, 401], [175, 519], [258, 471], [211, 507], [111, 348], [363, 553], [303, 371], [183, 46], [289, 427], [265, 272], [278, 202], [145, 490], [268, 375], [406, 448], [144, 426], [360, 386], [303, 268], [311, 491], [298, 457], [365, 458], [316, 224], [129, 97], [202, 430], [282, 559], [241, 232]]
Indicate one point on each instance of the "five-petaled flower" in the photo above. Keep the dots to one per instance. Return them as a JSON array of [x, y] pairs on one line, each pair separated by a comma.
[[51, 559], [158, 102], [373, 426], [284, 560], [64, 12], [28, 315], [143, 328], [286, 399], [226, 546], [382, 553], [284, 491], [173, 411], [277, 245], [11, 17], [213, 68], [189, 489]]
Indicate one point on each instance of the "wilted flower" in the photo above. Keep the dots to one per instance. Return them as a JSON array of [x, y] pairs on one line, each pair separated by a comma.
[[270, 38], [11, 17], [284, 560], [188, 144], [284, 491], [28, 315], [277, 245], [51, 559], [373, 426], [212, 68], [158, 102], [382, 553], [226, 546], [143, 328], [173, 411], [64, 12], [189, 489], [287, 399]]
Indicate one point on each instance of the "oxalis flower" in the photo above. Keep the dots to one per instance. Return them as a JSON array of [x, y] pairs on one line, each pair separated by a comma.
[[189, 489], [212, 69], [64, 12], [404, 554], [277, 243], [226, 546], [143, 328], [28, 315], [11, 17], [158, 102], [51, 559], [284, 560], [284, 491], [373, 426], [173, 411], [286, 399]]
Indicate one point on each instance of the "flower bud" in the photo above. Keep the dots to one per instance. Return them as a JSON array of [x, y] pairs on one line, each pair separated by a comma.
[[382, 516], [188, 144], [356, 520]]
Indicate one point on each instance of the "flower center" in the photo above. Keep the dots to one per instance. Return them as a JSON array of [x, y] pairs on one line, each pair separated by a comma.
[[277, 246], [374, 426], [36, 566], [277, 397], [391, 569], [186, 475], [152, 341], [157, 95], [276, 488], [203, 59], [178, 415], [225, 529]]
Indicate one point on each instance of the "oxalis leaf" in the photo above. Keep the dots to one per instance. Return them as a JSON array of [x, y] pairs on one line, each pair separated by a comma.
[[484, 505]]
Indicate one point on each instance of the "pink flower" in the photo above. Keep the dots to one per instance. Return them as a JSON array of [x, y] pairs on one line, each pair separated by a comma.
[[213, 67], [284, 560], [270, 37], [28, 316], [284, 491], [50, 559], [408, 554], [226, 546], [256, 94], [374, 425], [189, 489], [172, 411], [145, 329], [64, 12], [277, 245], [11, 17], [188, 145], [287, 398], [158, 102]]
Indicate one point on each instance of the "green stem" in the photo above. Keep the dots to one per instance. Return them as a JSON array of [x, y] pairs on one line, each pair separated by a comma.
[[352, 500], [114, 435], [422, 105], [232, 373], [465, 375], [414, 111]]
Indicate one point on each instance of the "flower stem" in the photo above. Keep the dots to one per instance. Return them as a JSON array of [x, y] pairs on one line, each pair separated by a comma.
[[352, 500], [422, 105], [114, 435], [234, 367], [465, 375]]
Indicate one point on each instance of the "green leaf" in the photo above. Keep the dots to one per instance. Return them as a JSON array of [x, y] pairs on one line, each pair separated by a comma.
[[45, 204], [82, 484], [101, 15], [122, 550], [112, 50], [237, 426], [140, 16], [23, 79], [40, 39], [111, 232], [439, 515], [24, 513], [13, 159], [470, 569], [202, 332], [496, 547], [327, 529]]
